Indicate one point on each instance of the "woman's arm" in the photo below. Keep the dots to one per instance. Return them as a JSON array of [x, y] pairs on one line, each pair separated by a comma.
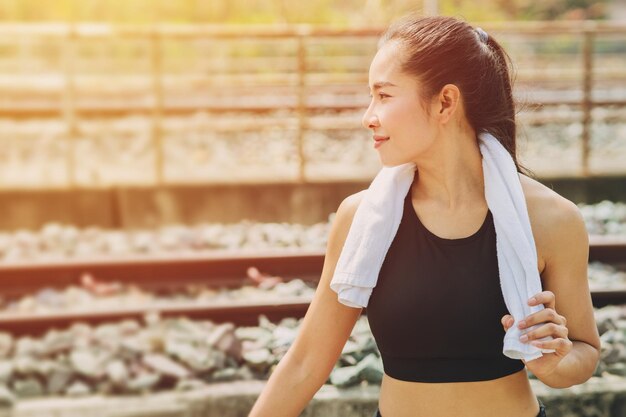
[[321, 337], [563, 245], [566, 276]]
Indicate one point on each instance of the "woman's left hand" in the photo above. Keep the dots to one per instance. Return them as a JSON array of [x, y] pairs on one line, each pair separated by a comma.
[[555, 326]]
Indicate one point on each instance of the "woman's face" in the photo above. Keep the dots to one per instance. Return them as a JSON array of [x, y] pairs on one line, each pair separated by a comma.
[[395, 111]]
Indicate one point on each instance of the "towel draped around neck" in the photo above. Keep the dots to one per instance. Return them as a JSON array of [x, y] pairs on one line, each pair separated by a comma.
[[378, 216]]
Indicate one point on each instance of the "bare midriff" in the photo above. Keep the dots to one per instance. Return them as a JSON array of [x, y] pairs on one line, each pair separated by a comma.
[[509, 396]]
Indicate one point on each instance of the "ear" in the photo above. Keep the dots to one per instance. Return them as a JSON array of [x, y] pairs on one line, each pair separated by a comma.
[[448, 101]]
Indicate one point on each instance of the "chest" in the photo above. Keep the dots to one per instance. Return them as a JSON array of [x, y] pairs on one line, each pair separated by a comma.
[[443, 291], [422, 272], [453, 226]]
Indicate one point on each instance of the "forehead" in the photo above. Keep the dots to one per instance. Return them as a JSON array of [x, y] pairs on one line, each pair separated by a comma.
[[386, 65]]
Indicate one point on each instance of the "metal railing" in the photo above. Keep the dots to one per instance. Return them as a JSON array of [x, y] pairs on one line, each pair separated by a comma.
[[72, 108]]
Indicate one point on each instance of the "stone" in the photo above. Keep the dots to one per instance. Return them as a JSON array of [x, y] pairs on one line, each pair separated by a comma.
[[345, 376], [78, 389], [295, 287], [165, 366], [117, 372], [105, 332], [86, 363], [613, 353], [6, 344], [45, 367], [6, 371], [7, 398], [371, 369], [25, 365], [256, 334], [618, 368], [50, 297], [27, 387], [225, 375], [350, 348], [259, 359], [199, 360], [81, 335], [58, 380], [133, 346], [129, 327], [612, 336], [223, 338], [27, 346], [55, 342], [189, 384], [284, 336], [603, 275], [265, 323], [143, 382], [152, 318]]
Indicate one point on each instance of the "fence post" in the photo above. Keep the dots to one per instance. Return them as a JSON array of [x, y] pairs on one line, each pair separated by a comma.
[[157, 110], [302, 35], [587, 103], [69, 103]]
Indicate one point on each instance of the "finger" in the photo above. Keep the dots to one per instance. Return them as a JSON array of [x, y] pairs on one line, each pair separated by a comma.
[[550, 329], [547, 315], [561, 346], [547, 298], [507, 321]]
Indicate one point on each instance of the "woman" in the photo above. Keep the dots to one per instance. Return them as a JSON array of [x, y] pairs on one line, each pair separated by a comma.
[[435, 83]]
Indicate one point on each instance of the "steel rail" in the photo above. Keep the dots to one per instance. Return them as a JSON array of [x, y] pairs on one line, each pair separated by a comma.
[[225, 268], [215, 268]]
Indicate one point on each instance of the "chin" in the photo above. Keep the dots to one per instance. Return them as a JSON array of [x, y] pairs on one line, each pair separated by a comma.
[[391, 161]]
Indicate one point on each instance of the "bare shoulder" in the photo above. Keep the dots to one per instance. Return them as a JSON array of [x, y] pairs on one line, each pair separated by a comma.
[[546, 206], [345, 214], [350, 204], [557, 223]]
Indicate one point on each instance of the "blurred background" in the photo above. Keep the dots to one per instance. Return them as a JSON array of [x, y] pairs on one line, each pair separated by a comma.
[[169, 171], [104, 103]]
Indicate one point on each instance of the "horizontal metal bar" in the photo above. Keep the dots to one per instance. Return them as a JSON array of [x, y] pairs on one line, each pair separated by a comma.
[[87, 30]]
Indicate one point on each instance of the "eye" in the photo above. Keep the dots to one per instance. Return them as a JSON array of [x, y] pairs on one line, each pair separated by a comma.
[[381, 95]]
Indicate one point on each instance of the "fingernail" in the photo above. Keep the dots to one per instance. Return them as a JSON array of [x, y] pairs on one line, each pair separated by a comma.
[[523, 338], [521, 324], [532, 300]]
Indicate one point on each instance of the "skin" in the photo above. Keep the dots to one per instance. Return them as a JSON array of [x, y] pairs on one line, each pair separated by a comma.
[[448, 197]]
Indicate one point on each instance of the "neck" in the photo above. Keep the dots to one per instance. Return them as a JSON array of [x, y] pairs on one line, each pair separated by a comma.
[[450, 172]]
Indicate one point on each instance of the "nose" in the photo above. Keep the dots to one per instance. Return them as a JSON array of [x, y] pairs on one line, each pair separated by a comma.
[[370, 120]]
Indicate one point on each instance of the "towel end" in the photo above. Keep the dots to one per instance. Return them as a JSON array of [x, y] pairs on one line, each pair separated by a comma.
[[352, 296], [349, 303], [515, 349]]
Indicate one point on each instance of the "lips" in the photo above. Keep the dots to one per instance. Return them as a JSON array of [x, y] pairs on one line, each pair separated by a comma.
[[379, 140]]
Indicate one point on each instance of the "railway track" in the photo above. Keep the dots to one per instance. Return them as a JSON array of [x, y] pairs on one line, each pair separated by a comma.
[[213, 269]]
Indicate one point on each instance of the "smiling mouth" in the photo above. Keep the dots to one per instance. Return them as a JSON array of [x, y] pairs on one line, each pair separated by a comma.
[[378, 142]]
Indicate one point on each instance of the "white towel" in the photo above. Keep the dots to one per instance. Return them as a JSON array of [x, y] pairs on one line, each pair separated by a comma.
[[378, 216]]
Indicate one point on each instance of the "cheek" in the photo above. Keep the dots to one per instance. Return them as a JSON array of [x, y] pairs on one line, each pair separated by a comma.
[[409, 111], [398, 115]]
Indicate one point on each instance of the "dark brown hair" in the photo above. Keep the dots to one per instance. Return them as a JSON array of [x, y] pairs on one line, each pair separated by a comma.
[[441, 50]]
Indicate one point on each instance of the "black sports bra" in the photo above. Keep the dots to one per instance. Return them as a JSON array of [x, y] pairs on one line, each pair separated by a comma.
[[435, 311]]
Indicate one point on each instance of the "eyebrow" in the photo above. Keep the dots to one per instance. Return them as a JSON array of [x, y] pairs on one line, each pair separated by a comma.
[[381, 84]]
